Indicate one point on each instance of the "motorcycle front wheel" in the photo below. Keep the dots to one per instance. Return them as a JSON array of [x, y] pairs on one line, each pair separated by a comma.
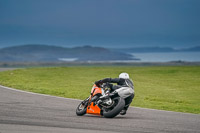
[[82, 108], [118, 105]]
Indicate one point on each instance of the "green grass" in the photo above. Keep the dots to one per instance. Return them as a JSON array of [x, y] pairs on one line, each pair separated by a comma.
[[175, 88]]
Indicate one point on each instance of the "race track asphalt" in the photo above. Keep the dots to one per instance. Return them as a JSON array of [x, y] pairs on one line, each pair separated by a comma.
[[23, 112]]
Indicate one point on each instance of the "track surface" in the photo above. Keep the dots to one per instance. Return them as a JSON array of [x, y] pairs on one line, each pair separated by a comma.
[[22, 112]]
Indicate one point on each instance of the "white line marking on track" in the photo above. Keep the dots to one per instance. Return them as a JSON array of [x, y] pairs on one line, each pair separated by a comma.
[[79, 99], [37, 93]]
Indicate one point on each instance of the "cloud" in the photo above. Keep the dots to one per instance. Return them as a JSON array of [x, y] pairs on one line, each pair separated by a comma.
[[93, 21]]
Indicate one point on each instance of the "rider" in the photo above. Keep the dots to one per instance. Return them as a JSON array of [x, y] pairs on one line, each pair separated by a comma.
[[124, 89]]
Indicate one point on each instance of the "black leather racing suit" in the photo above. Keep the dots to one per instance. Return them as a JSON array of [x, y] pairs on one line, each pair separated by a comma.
[[121, 83]]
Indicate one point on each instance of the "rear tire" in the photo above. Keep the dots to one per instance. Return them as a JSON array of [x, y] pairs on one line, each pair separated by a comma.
[[81, 109], [117, 108]]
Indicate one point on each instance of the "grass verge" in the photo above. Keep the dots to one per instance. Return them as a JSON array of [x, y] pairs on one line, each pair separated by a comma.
[[174, 88]]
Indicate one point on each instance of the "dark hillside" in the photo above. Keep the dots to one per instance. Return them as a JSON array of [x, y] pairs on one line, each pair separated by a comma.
[[31, 53]]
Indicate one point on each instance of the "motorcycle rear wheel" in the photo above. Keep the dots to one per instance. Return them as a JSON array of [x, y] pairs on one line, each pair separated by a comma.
[[119, 105]]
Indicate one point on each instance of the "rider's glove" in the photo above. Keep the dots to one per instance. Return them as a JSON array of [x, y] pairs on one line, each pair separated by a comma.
[[110, 86], [98, 83]]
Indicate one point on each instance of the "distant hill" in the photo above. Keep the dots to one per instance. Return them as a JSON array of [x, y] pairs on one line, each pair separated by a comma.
[[192, 49], [156, 49], [145, 49], [41, 53]]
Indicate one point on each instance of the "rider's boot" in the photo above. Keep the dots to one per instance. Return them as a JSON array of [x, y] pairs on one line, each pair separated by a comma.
[[123, 112]]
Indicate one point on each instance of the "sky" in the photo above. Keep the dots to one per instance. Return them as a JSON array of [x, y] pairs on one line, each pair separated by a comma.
[[106, 23]]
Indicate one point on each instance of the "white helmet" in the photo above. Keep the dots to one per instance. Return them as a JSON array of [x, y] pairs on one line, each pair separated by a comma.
[[124, 76]]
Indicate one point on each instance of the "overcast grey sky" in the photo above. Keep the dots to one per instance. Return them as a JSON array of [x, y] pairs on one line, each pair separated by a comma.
[[107, 23]]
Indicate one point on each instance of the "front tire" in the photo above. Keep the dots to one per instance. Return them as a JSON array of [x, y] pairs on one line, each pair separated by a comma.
[[81, 109], [119, 105]]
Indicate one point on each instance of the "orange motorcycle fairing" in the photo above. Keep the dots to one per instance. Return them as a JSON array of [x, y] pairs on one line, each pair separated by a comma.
[[95, 90], [93, 109]]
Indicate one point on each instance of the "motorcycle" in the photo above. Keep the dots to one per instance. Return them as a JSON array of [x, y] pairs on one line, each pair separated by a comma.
[[100, 103]]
